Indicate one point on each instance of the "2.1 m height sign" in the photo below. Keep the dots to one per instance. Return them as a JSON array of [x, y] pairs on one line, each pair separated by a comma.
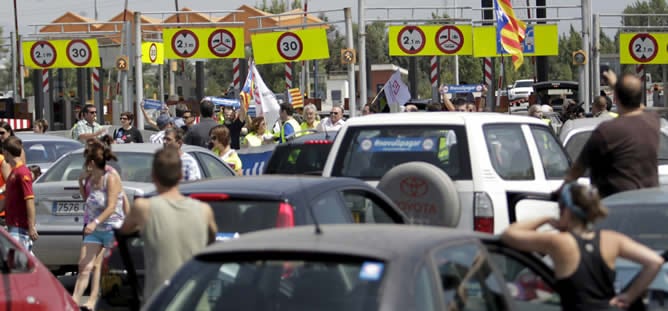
[[76, 53]]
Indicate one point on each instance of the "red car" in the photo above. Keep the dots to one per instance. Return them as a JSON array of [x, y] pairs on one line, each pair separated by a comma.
[[26, 284]]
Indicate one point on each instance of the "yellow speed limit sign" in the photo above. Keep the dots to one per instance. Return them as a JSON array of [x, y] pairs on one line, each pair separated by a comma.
[[77, 53], [290, 46], [430, 40], [201, 43], [152, 53]]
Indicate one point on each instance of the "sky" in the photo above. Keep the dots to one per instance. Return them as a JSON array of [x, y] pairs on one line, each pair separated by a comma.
[[41, 12]]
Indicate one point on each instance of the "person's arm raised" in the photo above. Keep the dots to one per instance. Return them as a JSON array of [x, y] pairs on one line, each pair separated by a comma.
[[522, 235]]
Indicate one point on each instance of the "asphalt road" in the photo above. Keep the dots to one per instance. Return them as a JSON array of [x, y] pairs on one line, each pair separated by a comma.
[[68, 282]]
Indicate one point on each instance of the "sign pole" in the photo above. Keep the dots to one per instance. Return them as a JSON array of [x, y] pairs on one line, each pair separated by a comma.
[[585, 88], [361, 46], [139, 81], [352, 100], [596, 55]]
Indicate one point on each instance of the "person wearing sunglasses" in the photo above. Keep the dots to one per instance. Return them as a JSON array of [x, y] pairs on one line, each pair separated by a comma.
[[87, 127], [334, 122], [127, 133], [584, 258]]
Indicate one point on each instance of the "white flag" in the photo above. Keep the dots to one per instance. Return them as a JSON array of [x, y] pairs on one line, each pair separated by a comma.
[[396, 90], [268, 107]]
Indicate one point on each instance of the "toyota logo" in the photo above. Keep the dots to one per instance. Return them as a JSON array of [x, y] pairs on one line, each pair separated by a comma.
[[414, 187]]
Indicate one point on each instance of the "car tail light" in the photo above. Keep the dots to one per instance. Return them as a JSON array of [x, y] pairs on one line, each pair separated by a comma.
[[286, 216], [483, 212], [317, 142], [207, 197]]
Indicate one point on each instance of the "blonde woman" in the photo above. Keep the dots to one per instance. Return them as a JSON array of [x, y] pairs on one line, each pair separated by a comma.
[[220, 139], [311, 118]]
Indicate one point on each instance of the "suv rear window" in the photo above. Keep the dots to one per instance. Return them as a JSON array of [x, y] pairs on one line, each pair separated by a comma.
[[369, 152], [298, 158], [242, 216], [265, 282]]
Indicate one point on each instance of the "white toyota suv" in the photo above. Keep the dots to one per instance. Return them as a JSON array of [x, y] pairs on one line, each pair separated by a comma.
[[478, 165]]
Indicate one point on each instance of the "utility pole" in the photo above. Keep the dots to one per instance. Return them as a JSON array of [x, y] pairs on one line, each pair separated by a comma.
[[361, 45], [139, 79], [586, 33], [352, 102], [596, 55]]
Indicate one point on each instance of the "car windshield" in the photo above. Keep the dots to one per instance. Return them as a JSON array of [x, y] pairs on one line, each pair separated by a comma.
[[263, 283], [308, 158], [576, 143], [653, 232], [369, 152], [47, 151], [523, 83], [132, 166]]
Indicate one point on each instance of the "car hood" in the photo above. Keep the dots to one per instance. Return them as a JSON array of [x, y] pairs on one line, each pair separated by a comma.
[[627, 270]]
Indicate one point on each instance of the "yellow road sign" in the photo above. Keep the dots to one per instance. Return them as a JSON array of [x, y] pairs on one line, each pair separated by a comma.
[[290, 46], [153, 53], [77, 53], [200, 43], [643, 48], [122, 63], [430, 40], [543, 41]]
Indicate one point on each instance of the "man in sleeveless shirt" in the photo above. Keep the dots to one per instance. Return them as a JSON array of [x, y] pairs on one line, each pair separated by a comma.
[[622, 153], [174, 227]]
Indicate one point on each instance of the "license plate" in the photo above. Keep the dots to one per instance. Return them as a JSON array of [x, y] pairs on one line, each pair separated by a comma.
[[68, 208]]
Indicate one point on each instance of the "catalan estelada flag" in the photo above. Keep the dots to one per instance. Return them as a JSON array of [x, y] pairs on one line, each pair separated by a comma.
[[510, 31]]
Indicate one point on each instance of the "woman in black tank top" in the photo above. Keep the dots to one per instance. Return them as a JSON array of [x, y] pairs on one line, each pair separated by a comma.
[[584, 258]]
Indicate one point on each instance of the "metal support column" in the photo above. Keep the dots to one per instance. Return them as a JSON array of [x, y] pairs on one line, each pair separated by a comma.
[[15, 66], [352, 100], [412, 76], [39, 95], [596, 56], [199, 80], [139, 78], [125, 91], [542, 65], [161, 79], [586, 46], [361, 49]]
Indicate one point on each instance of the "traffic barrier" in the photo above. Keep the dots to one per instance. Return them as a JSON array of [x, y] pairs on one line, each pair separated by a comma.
[[254, 159], [19, 124]]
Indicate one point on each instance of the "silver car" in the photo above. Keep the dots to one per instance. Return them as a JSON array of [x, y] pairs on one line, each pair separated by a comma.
[[575, 133], [43, 149], [59, 206]]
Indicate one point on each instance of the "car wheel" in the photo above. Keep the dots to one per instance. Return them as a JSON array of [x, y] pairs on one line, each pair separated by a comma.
[[424, 192]]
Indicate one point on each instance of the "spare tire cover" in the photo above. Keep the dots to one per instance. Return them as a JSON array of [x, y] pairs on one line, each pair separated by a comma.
[[424, 192]]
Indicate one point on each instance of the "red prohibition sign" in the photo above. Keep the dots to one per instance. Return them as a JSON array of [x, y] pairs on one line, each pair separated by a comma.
[[411, 39], [78, 52], [185, 43], [217, 44], [446, 43], [43, 53], [153, 53], [289, 46], [638, 47]]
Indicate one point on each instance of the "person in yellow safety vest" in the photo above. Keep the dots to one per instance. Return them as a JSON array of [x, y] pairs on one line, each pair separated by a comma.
[[600, 108], [258, 134], [447, 139], [289, 125]]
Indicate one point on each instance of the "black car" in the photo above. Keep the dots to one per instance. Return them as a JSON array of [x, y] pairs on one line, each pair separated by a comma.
[[252, 203], [302, 155], [374, 267]]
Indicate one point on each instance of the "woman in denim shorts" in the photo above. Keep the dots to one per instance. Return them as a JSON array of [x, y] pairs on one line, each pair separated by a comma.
[[104, 208]]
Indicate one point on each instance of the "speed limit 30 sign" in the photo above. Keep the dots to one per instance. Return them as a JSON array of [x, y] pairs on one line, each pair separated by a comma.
[[289, 46], [78, 52]]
